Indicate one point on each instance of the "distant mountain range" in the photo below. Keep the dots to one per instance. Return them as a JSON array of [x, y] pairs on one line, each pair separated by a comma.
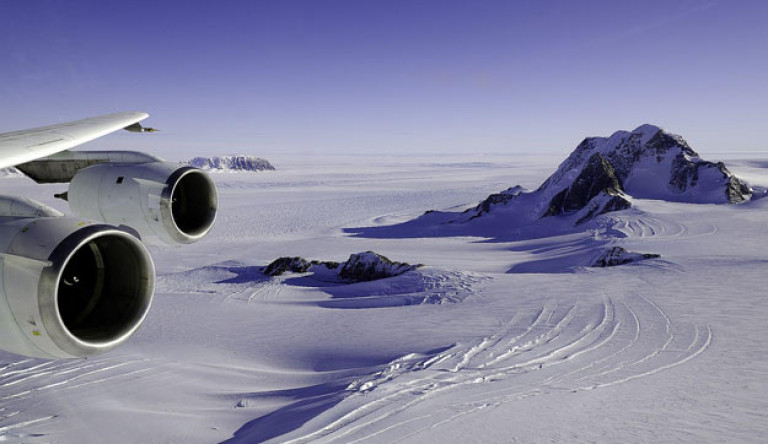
[[231, 163]]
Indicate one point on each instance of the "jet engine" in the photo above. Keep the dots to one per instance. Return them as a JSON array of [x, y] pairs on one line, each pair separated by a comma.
[[68, 287], [175, 203]]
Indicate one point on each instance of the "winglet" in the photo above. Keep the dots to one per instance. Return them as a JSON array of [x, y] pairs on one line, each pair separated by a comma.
[[137, 128]]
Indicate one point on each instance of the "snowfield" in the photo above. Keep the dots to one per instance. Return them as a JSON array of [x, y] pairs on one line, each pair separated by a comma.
[[494, 339]]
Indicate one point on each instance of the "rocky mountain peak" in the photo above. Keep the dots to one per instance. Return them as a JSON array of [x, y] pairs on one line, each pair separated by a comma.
[[652, 163], [647, 131], [601, 174]]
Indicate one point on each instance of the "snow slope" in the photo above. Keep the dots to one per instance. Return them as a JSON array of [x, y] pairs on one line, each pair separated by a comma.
[[526, 343]]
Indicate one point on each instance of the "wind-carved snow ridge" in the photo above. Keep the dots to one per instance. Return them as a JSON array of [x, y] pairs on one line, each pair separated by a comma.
[[557, 347], [231, 163]]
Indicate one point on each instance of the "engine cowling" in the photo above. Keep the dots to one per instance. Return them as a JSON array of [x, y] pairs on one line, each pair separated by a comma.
[[69, 287], [172, 202]]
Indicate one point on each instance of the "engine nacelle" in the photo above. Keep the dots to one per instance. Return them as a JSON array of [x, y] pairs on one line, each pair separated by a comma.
[[175, 203], [69, 287]]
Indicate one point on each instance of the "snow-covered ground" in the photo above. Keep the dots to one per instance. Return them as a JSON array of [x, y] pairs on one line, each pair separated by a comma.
[[491, 341]]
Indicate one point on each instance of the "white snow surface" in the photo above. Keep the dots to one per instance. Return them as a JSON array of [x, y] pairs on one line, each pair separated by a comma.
[[533, 346]]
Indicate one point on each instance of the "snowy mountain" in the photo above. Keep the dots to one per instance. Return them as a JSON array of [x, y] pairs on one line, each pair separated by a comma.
[[231, 163], [601, 174], [654, 164]]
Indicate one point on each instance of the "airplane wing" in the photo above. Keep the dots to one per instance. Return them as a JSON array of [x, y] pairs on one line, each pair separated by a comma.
[[23, 146], [79, 285]]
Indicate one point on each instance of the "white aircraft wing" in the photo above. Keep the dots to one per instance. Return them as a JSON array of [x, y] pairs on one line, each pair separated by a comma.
[[23, 146]]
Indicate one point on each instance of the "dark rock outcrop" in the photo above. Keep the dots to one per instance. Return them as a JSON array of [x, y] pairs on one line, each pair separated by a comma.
[[360, 267], [597, 176], [737, 190], [293, 264], [369, 266], [496, 199], [605, 202], [619, 256]]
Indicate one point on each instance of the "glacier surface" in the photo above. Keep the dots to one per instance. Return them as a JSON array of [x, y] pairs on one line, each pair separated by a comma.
[[534, 344]]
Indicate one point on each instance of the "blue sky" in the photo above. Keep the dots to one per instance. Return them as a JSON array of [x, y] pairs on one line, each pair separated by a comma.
[[389, 77]]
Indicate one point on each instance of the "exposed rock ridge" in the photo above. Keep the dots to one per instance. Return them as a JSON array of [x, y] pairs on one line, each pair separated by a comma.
[[369, 266], [596, 177], [360, 267], [619, 256], [232, 163], [495, 199]]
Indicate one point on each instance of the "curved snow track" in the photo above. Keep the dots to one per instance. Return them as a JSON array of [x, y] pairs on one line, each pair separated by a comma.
[[26, 380], [559, 347], [650, 226]]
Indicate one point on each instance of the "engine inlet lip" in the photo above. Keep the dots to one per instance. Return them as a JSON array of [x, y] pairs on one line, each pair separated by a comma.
[[48, 291], [166, 209]]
